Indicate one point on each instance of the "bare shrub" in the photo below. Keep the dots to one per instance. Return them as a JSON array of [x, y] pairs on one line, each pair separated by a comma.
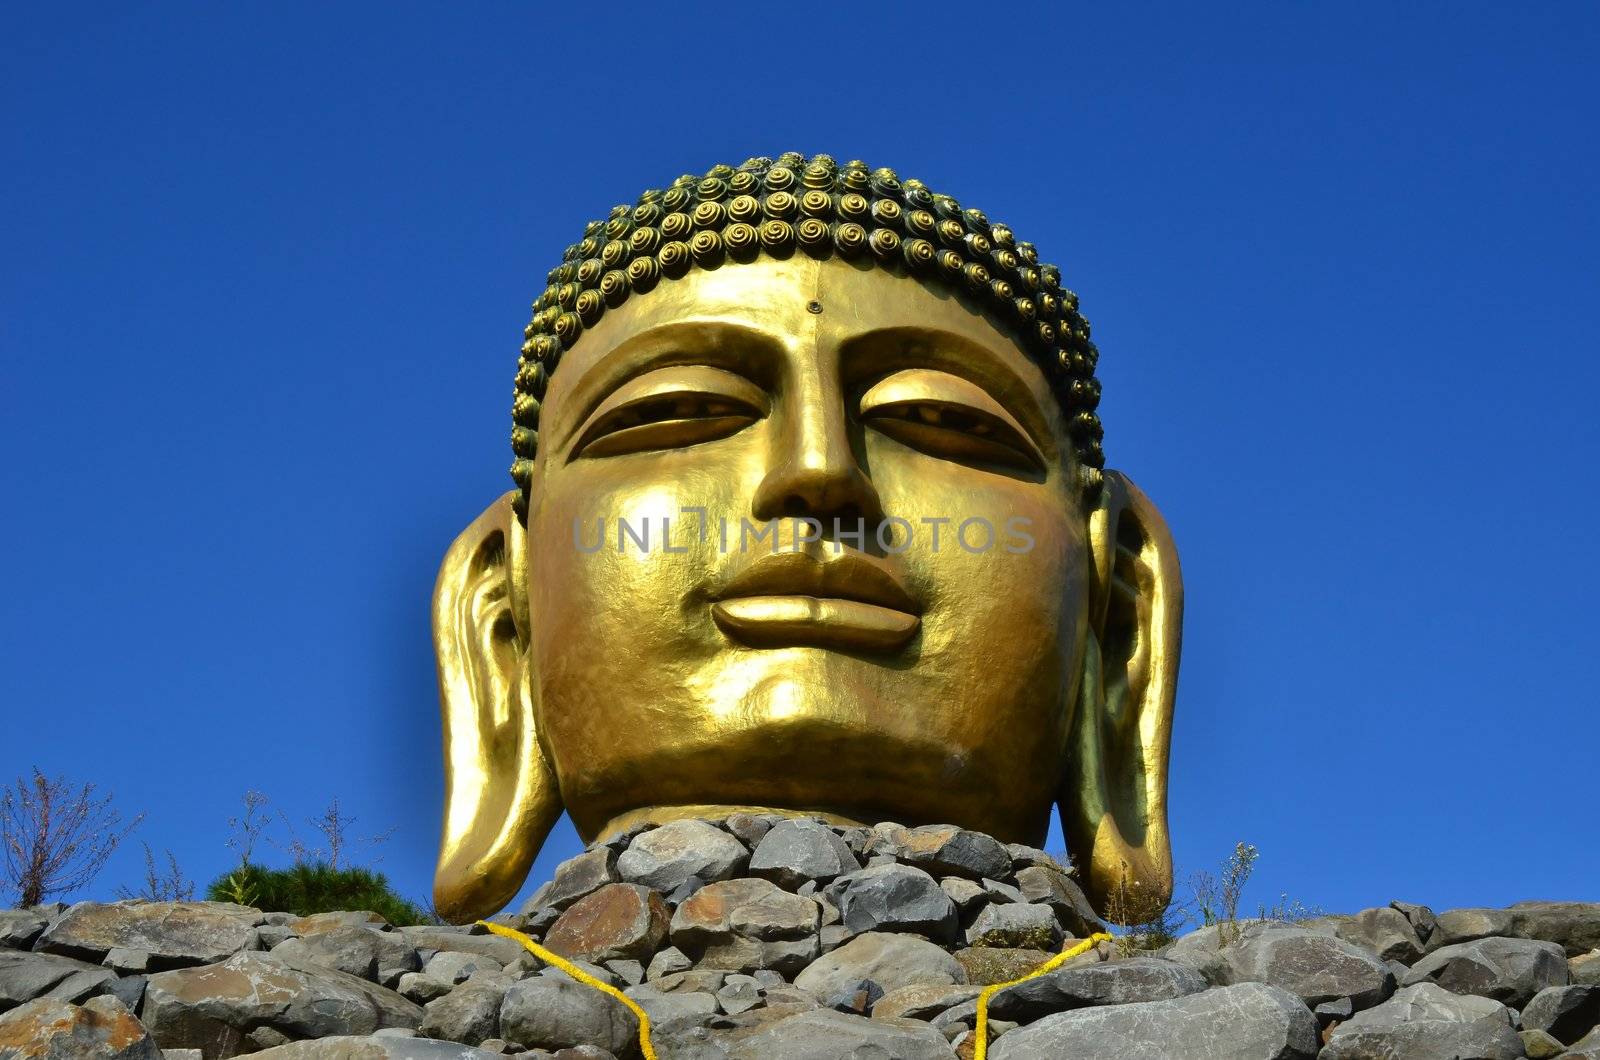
[[56, 840], [161, 884]]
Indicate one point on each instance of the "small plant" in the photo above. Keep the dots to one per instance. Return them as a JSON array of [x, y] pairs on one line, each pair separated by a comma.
[[168, 885], [1217, 900], [1148, 924], [55, 840], [315, 887], [248, 827], [334, 826]]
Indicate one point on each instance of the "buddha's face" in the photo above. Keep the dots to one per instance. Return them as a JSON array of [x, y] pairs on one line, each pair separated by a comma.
[[804, 535]]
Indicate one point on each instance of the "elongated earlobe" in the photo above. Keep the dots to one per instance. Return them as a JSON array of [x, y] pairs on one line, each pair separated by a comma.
[[501, 797], [1114, 802]]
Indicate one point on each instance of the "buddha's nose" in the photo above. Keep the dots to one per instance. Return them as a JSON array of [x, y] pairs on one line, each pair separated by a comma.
[[813, 471]]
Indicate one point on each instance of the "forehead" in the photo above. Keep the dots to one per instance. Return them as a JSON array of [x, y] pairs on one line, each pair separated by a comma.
[[806, 306]]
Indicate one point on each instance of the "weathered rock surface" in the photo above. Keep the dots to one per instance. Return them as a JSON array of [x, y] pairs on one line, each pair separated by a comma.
[[1426, 1022], [897, 898], [172, 933], [49, 1029], [793, 852], [890, 960], [618, 921], [555, 1012], [746, 925], [25, 976], [1250, 1021], [374, 1047], [664, 858], [1567, 1013], [827, 1035], [1116, 983], [1316, 967], [1511, 971]]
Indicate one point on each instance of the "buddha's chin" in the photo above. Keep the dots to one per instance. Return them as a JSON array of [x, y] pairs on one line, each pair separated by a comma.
[[807, 764]]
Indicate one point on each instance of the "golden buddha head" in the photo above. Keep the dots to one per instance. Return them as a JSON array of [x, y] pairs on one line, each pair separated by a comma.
[[810, 517]]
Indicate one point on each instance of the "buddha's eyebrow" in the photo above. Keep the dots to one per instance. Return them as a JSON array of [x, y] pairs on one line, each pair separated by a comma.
[[720, 343], [883, 350]]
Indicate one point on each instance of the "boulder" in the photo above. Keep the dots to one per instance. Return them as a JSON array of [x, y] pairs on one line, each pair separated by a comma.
[[1587, 1049], [1385, 931], [174, 934], [897, 898], [1042, 884], [923, 1002], [555, 1012], [749, 924], [49, 1028], [1566, 1012], [824, 1034], [469, 1013], [1249, 1020], [1574, 926], [454, 966], [664, 858], [1465, 925], [1314, 966], [20, 927], [1130, 981], [1013, 926], [1585, 968], [577, 877], [680, 1005], [1508, 970], [1423, 922], [620, 921], [381, 956], [25, 976], [947, 850], [1426, 1022], [471, 939], [216, 1008], [890, 960], [793, 852]]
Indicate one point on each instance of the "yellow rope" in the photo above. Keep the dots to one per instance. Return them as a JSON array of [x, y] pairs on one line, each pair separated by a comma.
[[981, 1032], [583, 977]]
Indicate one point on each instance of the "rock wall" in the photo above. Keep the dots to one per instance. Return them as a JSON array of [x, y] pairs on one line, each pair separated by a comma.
[[755, 938]]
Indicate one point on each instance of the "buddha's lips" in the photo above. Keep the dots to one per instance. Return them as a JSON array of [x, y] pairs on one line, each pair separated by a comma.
[[793, 599], [810, 621]]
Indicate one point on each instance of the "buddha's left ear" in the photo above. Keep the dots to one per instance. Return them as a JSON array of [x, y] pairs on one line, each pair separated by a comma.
[[1114, 801], [500, 793]]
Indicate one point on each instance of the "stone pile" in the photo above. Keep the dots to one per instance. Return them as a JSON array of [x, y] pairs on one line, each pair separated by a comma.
[[756, 937]]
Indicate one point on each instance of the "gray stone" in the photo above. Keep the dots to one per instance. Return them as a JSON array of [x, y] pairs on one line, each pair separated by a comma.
[[1423, 922], [951, 851], [969, 897], [924, 1002], [1015, 927], [554, 1012], [319, 922], [664, 858], [1385, 931], [381, 956], [1567, 1012], [1585, 968], [1465, 925], [370, 1047], [746, 924], [1574, 926], [704, 980], [1333, 1011], [824, 1034], [858, 997], [175, 934], [421, 988], [749, 828], [1426, 1022], [679, 1005], [25, 976], [20, 927], [1315, 966], [1587, 1049], [1505, 969], [1045, 885], [128, 989], [630, 972], [216, 1007], [124, 961], [793, 852], [1026, 857], [890, 960], [50, 1028], [739, 993], [576, 877], [1130, 981], [1249, 1020], [469, 1013], [454, 966], [432, 937], [667, 962], [898, 898]]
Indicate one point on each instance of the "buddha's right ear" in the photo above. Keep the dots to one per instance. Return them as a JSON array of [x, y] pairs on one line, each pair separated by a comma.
[[501, 797]]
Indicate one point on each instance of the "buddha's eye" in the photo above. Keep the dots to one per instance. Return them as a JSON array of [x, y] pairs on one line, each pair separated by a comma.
[[950, 418], [670, 409]]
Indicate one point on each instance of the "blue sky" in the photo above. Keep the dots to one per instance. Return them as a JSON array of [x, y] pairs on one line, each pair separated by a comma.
[[267, 268]]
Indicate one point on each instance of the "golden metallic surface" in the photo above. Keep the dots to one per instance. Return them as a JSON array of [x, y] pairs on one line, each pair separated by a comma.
[[910, 674]]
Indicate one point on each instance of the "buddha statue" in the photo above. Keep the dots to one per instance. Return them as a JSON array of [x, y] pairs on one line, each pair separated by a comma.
[[810, 518]]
